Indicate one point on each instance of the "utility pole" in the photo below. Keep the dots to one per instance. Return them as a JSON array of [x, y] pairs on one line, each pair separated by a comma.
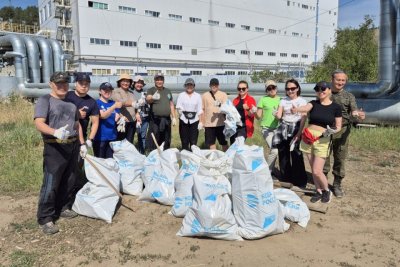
[[137, 55]]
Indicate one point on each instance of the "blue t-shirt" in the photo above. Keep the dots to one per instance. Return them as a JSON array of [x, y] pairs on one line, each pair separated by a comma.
[[107, 127]]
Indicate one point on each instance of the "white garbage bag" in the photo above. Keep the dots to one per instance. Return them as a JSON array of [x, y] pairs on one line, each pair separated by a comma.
[[130, 162], [256, 209], [294, 208], [232, 118], [184, 183], [160, 171], [211, 214], [97, 199]]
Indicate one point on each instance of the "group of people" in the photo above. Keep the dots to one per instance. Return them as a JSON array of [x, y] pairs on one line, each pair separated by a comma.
[[63, 117]]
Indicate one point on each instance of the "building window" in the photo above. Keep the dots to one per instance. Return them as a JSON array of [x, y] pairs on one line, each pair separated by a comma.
[[126, 9], [304, 6], [153, 72], [245, 27], [229, 72], [175, 47], [229, 51], [273, 31], [175, 17], [152, 13], [195, 20], [288, 3], [98, 5], [334, 13], [99, 41], [295, 34], [127, 43], [304, 56], [283, 54], [124, 71], [153, 45], [244, 52], [258, 53], [259, 29], [196, 72], [194, 52], [294, 55], [271, 54], [213, 22], [230, 25], [172, 72], [242, 72], [101, 71]]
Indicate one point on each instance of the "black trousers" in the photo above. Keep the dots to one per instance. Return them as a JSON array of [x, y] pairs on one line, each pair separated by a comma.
[[291, 164], [240, 131], [102, 149], [188, 134], [130, 128], [161, 128], [60, 170]]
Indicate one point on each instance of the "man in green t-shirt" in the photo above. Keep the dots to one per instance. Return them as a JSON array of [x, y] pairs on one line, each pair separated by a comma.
[[266, 110]]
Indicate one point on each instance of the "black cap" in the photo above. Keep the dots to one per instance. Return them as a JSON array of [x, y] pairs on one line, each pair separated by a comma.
[[321, 85], [214, 81], [59, 77], [82, 76], [106, 86]]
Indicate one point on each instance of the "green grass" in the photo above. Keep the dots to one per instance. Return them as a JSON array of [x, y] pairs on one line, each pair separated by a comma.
[[21, 258], [21, 146]]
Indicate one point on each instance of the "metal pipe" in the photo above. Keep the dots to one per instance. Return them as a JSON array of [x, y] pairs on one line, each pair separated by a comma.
[[33, 59], [46, 56], [18, 46], [57, 55]]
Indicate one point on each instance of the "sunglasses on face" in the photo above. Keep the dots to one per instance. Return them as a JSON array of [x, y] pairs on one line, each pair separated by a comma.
[[242, 89], [270, 88], [320, 89], [291, 89]]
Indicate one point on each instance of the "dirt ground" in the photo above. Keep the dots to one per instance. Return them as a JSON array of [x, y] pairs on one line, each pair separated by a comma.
[[362, 229]]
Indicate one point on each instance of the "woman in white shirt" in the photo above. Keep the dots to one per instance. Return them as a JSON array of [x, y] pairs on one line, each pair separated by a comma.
[[189, 107], [287, 136]]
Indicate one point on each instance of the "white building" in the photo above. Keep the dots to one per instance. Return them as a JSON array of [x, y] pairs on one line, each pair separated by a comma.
[[197, 37]]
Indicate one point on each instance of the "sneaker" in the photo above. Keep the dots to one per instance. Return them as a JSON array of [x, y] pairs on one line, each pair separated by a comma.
[[68, 214], [326, 196], [49, 228], [316, 197], [338, 191]]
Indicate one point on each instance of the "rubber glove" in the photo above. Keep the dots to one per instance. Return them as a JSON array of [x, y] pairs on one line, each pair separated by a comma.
[[89, 143], [121, 125], [62, 133], [253, 109], [173, 121], [83, 151], [329, 131]]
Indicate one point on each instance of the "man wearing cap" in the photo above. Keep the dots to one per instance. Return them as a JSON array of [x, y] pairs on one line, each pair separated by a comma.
[[189, 106], [212, 119], [340, 140], [124, 95], [162, 113], [142, 112], [58, 122]]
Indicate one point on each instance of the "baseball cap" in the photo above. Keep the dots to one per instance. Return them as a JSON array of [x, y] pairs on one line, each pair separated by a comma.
[[159, 75], [82, 76], [269, 83], [106, 86], [59, 77], [214, 81], [189, 81], [321, 85]]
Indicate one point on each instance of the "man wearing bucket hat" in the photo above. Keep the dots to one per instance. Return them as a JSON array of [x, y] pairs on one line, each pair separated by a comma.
[[124, 95], [189, 106], [162, 113], [143, 110]]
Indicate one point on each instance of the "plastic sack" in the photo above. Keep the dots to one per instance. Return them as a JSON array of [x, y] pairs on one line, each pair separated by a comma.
[[256, 209], [130, 163], [211, 214], [96, 199], [232, 118], [295, 209], [160, 171], [184, 183]]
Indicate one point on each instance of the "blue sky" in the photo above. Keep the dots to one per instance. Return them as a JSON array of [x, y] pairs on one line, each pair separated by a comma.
[[351, 12]]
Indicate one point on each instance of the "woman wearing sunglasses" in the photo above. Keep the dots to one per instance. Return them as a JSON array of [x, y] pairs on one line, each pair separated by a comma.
[[247, 107], [325, 119], [287, 136]]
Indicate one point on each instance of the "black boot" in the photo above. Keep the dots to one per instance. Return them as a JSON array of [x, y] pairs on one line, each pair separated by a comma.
[[337, 187]]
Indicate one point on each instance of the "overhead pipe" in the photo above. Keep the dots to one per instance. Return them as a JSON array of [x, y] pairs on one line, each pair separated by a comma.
[[46, 56], [20, 61], [33, 59], [57, 55]]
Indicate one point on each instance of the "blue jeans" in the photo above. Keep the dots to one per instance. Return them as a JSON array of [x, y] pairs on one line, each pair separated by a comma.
[[142, 134]]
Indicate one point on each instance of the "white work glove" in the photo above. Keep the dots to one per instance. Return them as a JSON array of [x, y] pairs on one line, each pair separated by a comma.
[[121, 125], [62, 133], [274, 112], [156, 96], [253, 109], [329, 131], [89, 143], [83, 151], [141, 102], [173, 121], [200, 126], [138, 124], [293, 144]]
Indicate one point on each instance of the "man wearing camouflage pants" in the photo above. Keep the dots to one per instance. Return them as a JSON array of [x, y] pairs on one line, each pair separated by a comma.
[[340, 140]]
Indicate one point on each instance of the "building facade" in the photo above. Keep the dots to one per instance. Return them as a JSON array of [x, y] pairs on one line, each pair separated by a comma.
[[190, 37]]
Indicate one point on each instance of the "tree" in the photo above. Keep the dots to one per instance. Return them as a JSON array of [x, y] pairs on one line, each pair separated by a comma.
[[355, 52], [30, 14], [263, 76]]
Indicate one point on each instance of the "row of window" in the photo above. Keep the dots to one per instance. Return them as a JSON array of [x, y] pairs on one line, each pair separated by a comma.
[[45, 12], [261, 53], [303, 6], [105, 72]]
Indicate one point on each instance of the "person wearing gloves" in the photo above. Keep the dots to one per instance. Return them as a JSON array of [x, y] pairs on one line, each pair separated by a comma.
[[325, 119], [162, 113], [109, 115], [189, 107], [267, 108], [287, 136], [126, 126], [247, 108], [58, 122], [142, 112], [212, 119]]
